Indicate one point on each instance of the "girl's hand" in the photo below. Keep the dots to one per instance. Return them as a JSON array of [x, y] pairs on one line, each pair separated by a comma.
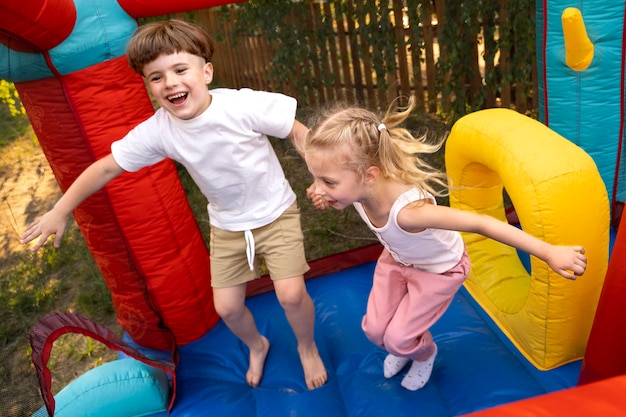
[[567, 261], [50, 223], [319, 202]]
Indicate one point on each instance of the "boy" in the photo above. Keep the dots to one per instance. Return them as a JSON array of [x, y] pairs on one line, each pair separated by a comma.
[[220, 136]]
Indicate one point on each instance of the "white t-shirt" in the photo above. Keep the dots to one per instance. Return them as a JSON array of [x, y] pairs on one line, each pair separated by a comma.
[[432, 250], [226, 151]]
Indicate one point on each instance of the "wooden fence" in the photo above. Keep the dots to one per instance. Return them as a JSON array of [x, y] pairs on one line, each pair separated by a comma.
[[371, 52]]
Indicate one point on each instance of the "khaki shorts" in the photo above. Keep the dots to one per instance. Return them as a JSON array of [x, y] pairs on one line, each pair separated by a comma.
[[280, 243]]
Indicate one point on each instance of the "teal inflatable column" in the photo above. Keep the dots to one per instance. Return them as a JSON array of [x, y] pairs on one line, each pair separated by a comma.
[[585, 104]]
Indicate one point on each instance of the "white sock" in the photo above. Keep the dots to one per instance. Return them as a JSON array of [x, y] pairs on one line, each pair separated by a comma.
[[393, 365], [419, 373]]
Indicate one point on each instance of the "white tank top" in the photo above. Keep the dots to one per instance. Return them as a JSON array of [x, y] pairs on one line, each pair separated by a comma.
[[432, 250]]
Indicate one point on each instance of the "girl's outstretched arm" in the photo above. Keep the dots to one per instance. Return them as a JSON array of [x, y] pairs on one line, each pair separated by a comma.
[[567, 261], [96, 176]]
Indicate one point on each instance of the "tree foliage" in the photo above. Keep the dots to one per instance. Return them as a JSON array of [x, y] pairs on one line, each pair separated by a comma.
[[9, 96], [502, 31]]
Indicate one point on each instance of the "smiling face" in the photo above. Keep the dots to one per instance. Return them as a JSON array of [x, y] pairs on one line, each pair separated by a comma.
[[179, 82], [339, 186]]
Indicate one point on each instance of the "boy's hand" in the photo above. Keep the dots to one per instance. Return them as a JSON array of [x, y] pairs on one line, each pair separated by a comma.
[[319, 202], [49, 224], [567, 261]]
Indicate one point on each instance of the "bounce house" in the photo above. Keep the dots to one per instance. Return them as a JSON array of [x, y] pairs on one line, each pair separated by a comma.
[[517, 339]]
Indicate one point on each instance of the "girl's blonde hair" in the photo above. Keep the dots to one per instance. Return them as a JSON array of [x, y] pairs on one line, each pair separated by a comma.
[[356, 138], [154, 39]]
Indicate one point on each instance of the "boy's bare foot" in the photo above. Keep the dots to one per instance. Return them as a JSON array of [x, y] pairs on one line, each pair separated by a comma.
[[314, 369], [257, 362]]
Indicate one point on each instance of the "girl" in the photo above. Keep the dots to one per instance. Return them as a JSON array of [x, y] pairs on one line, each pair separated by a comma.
[[373, 164]]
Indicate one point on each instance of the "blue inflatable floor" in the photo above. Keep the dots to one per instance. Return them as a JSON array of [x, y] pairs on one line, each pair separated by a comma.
[[476, 367]]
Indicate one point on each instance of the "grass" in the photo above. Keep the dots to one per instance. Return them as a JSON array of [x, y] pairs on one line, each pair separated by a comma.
[[33, 284]]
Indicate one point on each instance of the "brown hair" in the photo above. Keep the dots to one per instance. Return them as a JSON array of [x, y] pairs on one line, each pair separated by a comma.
[[154, 39]]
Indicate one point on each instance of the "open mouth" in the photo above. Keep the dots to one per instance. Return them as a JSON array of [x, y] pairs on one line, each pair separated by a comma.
[[332, 202], [177, 98]]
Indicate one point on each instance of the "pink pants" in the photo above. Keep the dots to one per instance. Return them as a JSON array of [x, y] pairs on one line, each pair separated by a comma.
[[405, 302]]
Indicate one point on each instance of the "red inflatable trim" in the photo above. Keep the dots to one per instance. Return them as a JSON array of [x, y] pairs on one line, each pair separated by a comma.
[[605, 398], [55, 325], [324, 266], [148, 8], [36, 25]]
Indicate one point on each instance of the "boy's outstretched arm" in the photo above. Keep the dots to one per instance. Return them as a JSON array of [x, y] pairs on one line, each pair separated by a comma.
[[96, 176], [297, 135]]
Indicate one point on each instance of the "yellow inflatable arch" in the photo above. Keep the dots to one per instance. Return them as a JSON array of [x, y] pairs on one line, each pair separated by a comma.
[[559, 197]]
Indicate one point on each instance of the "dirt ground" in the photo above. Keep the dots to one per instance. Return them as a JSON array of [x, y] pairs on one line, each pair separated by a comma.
[[27, 188]]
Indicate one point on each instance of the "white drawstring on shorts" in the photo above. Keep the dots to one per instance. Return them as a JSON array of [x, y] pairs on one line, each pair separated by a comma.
[[249, 248]]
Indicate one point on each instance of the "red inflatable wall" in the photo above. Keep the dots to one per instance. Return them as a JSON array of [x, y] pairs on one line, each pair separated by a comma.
[[605, 356], [140, 229]]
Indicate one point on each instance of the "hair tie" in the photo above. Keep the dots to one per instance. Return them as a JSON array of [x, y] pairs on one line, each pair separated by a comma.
[[381, 127]]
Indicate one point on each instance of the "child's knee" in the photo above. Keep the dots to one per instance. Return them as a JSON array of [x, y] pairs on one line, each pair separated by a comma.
[[374, 334], [397, 345], [227, 309], [291, 294]]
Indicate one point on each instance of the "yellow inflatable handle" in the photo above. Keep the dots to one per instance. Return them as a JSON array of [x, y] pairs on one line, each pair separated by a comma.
[[560, 198], [579, 50]]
